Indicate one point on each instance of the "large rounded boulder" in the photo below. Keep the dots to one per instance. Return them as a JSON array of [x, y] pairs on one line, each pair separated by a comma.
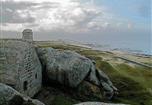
[[70, 69], [66, 67]]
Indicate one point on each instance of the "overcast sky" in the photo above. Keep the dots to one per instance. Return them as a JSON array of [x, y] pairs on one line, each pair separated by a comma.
[[81, 20]]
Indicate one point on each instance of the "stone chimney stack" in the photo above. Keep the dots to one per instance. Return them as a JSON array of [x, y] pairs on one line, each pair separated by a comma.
[[27, 35]]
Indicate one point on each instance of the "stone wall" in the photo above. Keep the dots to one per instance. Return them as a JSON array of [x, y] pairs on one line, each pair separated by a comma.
[[20, 66]]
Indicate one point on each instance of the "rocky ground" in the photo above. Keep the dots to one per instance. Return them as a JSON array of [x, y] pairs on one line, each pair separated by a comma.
[[133, 81]]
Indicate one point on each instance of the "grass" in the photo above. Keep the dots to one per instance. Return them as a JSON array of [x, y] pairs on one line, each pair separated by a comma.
[[88, 92], [134, 83], [61, 100], [139, 74]]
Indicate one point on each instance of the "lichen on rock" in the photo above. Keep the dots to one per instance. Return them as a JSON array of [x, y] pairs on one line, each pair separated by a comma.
[[70, 69], [9, 96]]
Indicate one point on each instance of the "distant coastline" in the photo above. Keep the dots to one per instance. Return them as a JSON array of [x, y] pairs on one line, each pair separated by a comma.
[[106, 47]]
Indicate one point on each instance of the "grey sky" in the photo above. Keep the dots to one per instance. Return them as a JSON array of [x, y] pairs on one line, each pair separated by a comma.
[[82, 20]]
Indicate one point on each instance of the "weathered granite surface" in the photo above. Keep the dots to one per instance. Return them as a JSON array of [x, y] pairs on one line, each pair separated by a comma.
[[9, 96], [20, 67], [70, 68], [97, 103]]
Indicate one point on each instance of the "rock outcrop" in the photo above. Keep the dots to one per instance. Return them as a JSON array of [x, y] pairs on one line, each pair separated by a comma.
[[97, 103], [70, 69], [9, 96]]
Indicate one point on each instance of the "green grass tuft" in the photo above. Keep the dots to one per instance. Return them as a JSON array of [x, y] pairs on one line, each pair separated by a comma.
[[61, 100]]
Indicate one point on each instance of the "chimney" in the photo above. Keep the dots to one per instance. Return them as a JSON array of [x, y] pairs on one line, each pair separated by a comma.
[[27, 35]]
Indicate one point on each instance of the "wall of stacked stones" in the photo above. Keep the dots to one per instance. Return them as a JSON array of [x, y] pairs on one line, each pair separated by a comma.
[[22, 68], [9, 61]]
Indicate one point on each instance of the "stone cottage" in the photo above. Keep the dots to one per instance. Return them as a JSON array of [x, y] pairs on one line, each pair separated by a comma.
[[20, 67]]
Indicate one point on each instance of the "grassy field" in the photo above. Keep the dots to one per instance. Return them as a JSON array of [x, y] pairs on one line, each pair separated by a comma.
[[134, 82]]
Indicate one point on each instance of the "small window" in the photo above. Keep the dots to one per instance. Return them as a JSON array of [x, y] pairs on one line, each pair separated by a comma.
[[25, 85], [35, 76]]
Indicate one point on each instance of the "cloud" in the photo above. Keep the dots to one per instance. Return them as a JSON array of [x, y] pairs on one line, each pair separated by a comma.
[[65, 15], [73, 16], [130, 25], [145, 10], [13, 12]]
